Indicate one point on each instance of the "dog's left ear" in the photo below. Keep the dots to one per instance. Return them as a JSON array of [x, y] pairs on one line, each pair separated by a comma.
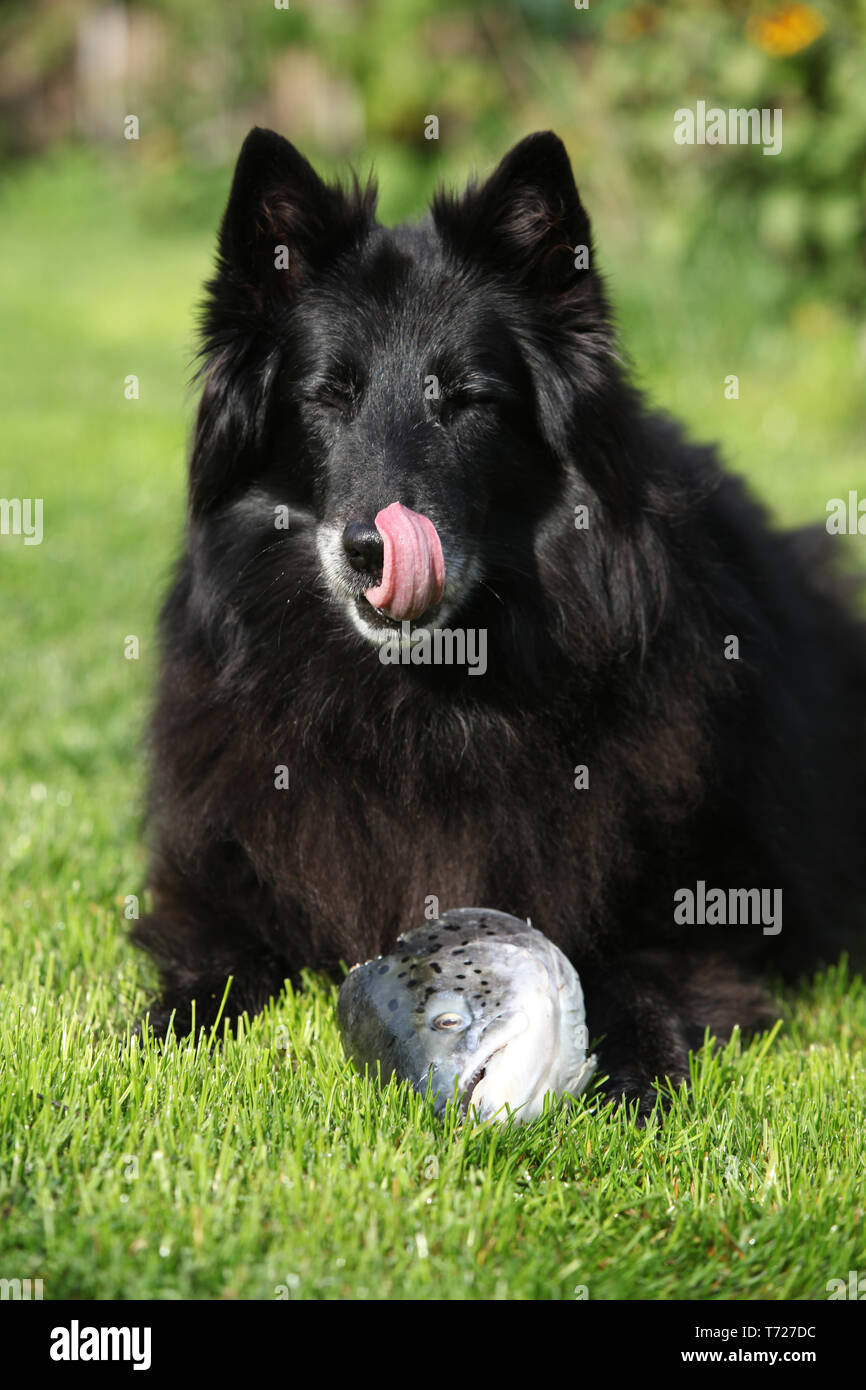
[[527, 225], [526, 220]]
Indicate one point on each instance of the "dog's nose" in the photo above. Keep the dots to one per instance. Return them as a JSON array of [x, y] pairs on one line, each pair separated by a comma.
[[364, 547]]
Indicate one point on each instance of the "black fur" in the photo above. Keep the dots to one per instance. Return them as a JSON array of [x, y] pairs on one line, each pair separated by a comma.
[[606, 646]]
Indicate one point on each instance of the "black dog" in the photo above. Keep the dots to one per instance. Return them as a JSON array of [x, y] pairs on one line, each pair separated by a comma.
[[428, 430]]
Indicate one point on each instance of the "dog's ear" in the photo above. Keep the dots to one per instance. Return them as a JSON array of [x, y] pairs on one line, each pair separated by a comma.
[[282, 221], [527, 224], [526, 220], [281, 225]]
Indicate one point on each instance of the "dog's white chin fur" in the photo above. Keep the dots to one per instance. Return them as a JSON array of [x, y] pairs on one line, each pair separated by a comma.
[[460, 573]]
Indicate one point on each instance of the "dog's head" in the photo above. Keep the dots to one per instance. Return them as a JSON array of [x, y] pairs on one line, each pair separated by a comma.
[[409, 396]]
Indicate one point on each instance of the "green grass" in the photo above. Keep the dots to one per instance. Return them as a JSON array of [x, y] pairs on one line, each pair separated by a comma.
[[264, 1166]]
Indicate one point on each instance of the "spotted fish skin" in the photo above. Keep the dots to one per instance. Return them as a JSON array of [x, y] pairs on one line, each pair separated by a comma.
[[474, 1002]]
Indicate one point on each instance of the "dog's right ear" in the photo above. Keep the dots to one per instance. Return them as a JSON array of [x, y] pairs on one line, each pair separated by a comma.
[[282, 224]]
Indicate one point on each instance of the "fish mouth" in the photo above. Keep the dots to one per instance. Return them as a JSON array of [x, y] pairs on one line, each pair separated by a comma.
[[466, 1096], [475, 1079]]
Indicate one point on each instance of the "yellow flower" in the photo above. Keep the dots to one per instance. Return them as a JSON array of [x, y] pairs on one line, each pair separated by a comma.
[[786, 29]]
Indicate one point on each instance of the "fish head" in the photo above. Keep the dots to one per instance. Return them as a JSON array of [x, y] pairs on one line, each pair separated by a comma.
[[475, 1003]]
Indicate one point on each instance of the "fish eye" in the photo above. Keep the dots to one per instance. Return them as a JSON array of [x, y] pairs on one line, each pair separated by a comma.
[[449, 1021]]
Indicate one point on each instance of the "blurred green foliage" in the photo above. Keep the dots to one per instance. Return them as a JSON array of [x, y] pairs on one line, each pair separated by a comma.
[[358, 78]]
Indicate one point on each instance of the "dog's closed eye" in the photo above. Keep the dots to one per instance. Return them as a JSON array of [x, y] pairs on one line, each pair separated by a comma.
[[336, 397], [334, 393], [460, 402]]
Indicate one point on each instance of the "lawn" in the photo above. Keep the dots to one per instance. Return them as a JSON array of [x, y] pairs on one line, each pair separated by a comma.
[[262, 1166]]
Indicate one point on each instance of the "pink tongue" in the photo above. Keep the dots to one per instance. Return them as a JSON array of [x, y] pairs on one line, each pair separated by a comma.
[[413, 566]]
